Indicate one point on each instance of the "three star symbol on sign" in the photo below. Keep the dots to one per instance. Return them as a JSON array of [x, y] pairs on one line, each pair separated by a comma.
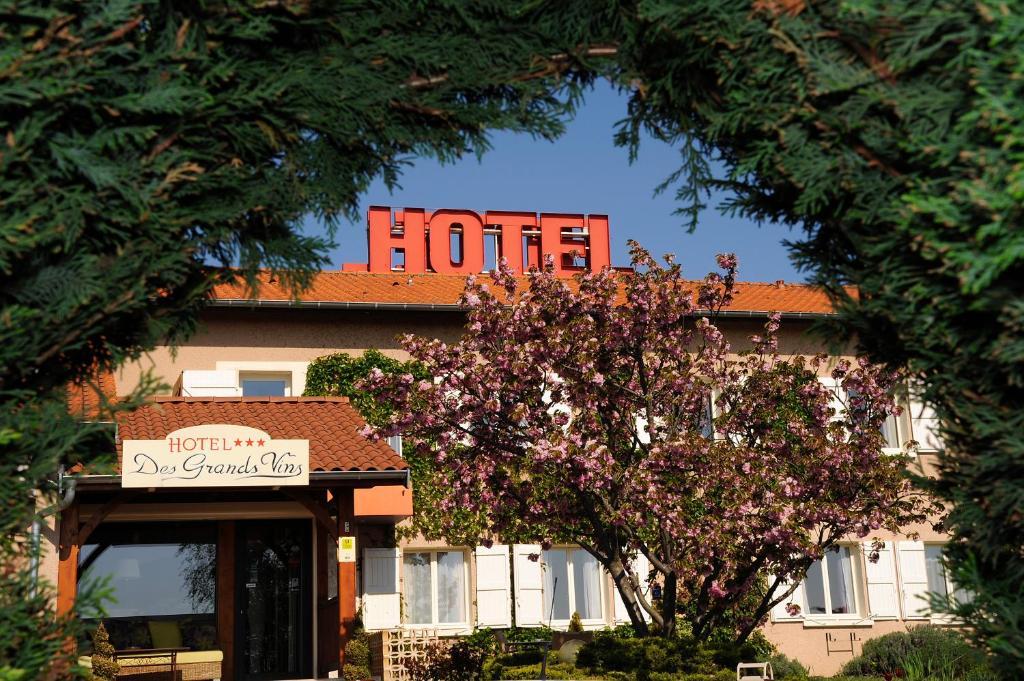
[[248, 443]]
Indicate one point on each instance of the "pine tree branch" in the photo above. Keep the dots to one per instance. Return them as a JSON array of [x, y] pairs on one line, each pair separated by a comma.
[[552, 65]]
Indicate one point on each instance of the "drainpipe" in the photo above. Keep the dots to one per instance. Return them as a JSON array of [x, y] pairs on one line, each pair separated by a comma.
[[67, 494], [66, 491]]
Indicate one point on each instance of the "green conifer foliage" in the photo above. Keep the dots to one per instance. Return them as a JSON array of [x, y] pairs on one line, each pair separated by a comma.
[[144, 144], [892, 134]]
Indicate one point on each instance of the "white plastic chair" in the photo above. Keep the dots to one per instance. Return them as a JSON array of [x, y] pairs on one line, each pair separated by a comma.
[[762, 671]]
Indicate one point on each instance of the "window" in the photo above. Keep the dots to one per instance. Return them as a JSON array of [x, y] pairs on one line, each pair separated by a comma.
[[396, 443], [572, 583], [434, 586], [162, 578], [939, 582], [265, 384], [707, 419], [895, 428], [828, 587]]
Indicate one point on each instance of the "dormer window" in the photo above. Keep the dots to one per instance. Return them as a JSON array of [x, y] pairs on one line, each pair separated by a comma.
[[258, 384]]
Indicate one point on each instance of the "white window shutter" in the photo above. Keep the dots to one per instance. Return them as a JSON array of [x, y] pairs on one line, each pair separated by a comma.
[[641, 566], [914, 579], [382, 600], [780, 613], [529, 586], [924, 425], [837, 401], [493, 587], [883, 599], [203, 383]]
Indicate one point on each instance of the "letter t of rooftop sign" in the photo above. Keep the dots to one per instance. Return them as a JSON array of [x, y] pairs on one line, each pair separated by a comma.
[[383, 237], [510, 245]]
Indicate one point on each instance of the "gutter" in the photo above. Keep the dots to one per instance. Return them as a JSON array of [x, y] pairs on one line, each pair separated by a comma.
[[451, 307], [314, 476]]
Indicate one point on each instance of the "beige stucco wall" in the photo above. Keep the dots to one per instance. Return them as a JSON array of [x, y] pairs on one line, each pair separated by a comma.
[[826, 649], [285, 335], [245, 334]]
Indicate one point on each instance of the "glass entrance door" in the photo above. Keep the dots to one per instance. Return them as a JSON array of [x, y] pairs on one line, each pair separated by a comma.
[[274, 595]]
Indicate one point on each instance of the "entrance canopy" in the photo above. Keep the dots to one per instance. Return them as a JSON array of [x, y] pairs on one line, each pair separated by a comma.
[[330, 424]]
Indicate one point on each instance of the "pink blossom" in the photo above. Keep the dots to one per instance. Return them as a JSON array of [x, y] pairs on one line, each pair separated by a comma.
[[577, 414]]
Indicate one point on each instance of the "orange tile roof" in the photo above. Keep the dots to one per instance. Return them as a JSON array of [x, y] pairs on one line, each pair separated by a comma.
[[329, 423], [396, 290], [84, 398]]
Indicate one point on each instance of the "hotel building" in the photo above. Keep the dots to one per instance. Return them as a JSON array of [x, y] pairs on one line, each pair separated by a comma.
[[257, 565]]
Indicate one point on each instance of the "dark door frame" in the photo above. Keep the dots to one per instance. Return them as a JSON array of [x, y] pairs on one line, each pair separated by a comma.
[[305, 597]]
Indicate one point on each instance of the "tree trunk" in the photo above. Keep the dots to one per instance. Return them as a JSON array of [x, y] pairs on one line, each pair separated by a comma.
[[629, 597], [668, 605]]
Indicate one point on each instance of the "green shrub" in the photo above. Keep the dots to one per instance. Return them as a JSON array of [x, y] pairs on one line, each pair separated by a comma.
[[787, 668], [937, 651], [357, 659], [645, 656], [104, 666], [554, 671], [357, 652], [623, 631], [846, 677], [352, 672], [516, 634], [720, 675]]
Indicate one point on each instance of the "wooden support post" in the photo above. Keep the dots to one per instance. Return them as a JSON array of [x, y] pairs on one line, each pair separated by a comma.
[[327, 608], [346, 574], [67, 567], [226, 597]]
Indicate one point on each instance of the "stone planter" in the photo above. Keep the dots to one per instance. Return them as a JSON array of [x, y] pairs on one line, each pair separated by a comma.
[[559, 638]]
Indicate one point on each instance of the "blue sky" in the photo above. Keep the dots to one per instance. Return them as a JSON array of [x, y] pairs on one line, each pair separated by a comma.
[[584, 172]]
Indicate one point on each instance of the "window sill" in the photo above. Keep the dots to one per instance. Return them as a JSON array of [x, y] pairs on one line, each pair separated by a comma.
[[846, 621], [441, 629]]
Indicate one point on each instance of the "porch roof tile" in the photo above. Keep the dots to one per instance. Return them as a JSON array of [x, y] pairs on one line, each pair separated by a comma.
[[330, 424]]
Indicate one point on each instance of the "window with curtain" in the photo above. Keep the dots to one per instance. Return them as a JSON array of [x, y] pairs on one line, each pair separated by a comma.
[[828, 587], [434, 587], [939, 581], [571, 583]]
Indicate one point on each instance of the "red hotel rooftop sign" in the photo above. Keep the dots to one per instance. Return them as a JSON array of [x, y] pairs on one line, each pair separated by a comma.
[[453, 241]]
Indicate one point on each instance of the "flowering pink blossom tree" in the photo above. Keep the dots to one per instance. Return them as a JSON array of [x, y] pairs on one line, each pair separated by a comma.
[[580, 411]]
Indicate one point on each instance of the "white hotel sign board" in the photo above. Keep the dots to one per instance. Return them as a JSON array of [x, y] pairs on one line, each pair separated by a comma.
[[215, 455]]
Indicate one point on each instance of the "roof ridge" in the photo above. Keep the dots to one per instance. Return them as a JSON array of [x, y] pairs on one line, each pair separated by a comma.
[[187, 399], [524, 275]]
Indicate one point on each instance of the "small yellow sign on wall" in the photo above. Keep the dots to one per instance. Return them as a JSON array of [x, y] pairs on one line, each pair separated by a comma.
[[347, 550]]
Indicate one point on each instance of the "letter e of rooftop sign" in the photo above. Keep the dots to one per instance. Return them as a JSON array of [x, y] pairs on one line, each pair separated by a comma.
[[382, 237], [559, 243], [471, 259]]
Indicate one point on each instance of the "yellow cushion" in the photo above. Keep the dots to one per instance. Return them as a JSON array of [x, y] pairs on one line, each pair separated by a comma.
[[165, 633], [184, 657], [200, 656]]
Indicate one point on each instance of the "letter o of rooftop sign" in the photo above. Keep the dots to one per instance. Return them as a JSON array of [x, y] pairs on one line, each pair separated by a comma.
[[472, 257]]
